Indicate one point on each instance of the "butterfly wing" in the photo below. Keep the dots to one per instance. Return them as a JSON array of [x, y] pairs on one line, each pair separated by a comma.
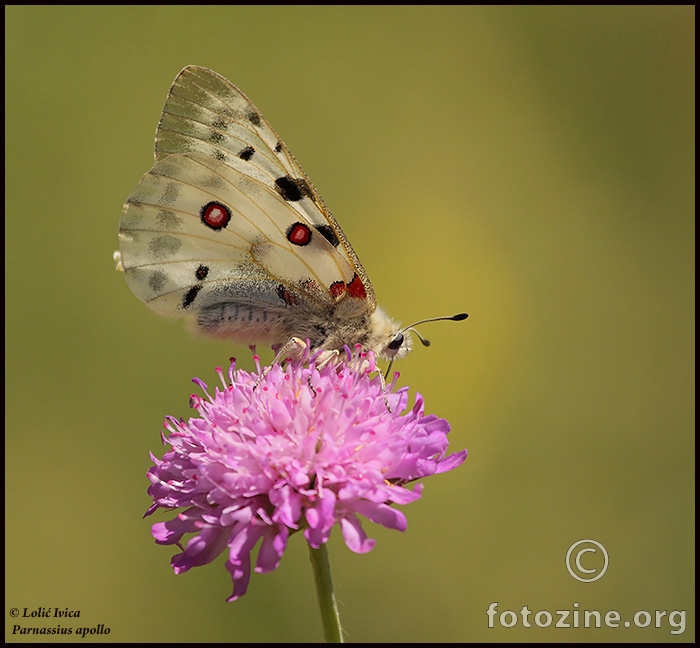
[[227, 228], [206, 113]]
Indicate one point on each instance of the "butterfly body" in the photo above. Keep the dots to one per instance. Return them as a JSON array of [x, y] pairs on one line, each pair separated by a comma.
[[227, 231]]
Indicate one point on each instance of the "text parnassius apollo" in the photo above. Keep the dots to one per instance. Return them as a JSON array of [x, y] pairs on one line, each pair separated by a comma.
[[227, 230]]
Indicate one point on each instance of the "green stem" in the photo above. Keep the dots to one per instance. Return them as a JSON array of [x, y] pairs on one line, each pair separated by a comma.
[[326, 598]]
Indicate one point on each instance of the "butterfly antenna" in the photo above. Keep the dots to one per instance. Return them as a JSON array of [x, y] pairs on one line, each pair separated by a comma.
[[425, 342]]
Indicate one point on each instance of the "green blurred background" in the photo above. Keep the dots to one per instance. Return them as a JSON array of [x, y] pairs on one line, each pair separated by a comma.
[[532, 166]]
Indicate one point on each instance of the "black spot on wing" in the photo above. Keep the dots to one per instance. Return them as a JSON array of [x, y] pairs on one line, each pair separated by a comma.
[[278, 147], [327, 232], [202, 272], [191, 295], [292, 189], [253, 118], [246, 153]]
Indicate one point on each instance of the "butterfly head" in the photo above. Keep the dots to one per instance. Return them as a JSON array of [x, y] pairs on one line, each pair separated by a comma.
[[386, 337], [393, 342]]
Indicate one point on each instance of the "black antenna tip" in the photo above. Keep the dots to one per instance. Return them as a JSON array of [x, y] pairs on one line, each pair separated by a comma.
[[459, 317]]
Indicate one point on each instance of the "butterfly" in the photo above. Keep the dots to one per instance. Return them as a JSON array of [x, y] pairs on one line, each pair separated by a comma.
[[227, 231]]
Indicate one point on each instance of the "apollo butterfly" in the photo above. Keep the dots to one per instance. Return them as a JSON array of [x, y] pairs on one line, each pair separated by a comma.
[[227, 231]]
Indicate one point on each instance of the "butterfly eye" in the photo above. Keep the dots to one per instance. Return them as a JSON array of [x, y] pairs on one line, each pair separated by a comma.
[[396, 343]]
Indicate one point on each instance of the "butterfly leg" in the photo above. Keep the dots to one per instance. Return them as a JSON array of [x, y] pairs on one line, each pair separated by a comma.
[[382, 381], [294, 350], [327, 356]]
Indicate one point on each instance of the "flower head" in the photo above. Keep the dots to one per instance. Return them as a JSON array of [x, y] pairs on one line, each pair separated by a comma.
[[298, 447]]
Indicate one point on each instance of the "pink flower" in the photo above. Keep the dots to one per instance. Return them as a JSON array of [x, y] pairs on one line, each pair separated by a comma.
[[292, 448]]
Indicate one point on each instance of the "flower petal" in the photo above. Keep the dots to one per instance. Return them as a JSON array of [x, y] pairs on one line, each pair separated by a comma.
[[354, 535]]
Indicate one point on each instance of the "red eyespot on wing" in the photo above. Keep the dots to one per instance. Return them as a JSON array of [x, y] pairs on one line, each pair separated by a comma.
[[299, 234], [215, 215], [357, 289], [337, 289]]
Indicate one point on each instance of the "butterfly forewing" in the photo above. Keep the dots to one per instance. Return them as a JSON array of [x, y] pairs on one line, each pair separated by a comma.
[[206, 113]]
